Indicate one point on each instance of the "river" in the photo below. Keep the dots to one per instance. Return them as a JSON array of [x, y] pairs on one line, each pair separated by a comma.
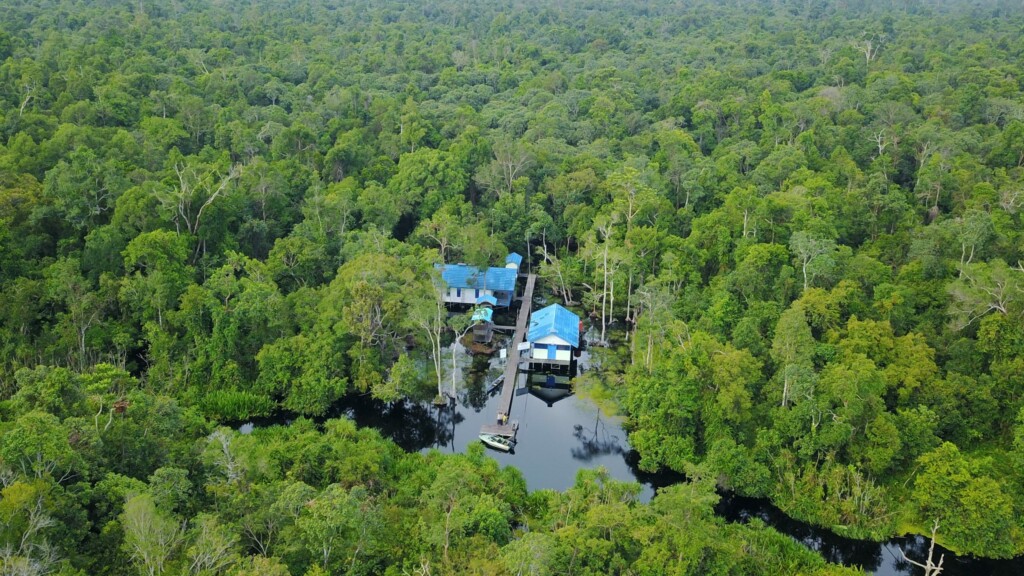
[[560, 433]]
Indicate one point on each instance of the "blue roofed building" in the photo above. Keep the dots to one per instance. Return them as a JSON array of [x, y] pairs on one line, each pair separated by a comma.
[[465, 284], [513, 260], [553, 334]]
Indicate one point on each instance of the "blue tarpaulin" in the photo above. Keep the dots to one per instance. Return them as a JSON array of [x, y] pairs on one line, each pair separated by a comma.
[[482, 315]]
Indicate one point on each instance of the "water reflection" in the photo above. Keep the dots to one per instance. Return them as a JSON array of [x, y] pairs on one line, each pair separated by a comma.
[[412, 425], [557, 439], [550, 395], [550, 388], [882, 559], [601, 440], [560, 433]]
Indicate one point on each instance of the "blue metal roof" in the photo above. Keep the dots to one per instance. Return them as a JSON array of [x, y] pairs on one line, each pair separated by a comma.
[[514, 258], [463, 276], [555, 320], [487, 299]]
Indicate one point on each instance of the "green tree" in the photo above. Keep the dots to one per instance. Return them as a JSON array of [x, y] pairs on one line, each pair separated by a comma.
[[213, 546], [814, 256], [972, 508], [984, 287], [161, 274], [36, 445], [24, 523], [82, 308], [151, 537], [329, 526], [792, 349]]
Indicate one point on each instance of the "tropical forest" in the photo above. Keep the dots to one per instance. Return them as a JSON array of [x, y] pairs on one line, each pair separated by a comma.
[[792, 232]]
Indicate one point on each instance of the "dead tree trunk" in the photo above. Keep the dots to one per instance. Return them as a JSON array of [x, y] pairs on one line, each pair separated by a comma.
[[929, 566]]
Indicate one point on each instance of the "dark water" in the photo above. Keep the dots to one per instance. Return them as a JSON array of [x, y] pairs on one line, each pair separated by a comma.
[[881, 558], [560, 433]]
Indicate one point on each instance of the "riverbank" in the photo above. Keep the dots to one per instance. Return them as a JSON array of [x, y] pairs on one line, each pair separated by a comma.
[[559, 438], [562, 433]]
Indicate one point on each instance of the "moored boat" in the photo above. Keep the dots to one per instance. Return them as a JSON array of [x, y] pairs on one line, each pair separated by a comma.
[[497, 442]]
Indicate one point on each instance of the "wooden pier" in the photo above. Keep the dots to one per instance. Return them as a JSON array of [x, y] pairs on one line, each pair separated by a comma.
[[508, 430], [503, 427]]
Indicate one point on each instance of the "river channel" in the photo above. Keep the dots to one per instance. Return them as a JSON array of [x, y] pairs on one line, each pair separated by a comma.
[[560, 433]]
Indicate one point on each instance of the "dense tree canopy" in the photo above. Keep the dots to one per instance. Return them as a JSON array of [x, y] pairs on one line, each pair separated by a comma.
[[796, 227]]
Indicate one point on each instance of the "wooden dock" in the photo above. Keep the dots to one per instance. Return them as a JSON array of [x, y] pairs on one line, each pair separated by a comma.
[[508, 430], [508, 388]]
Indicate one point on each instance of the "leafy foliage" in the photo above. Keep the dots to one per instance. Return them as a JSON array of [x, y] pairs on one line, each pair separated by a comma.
[[806, 216]]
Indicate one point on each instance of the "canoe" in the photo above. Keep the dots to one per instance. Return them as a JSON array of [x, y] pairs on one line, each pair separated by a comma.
[[497, 442]]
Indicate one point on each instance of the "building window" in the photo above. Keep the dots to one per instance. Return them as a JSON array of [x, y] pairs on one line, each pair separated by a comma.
[[458, 292], [477, 295], [564, 348]]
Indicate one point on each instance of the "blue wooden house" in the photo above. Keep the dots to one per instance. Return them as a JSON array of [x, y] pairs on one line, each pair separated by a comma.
[[465, 284], [553, 335]]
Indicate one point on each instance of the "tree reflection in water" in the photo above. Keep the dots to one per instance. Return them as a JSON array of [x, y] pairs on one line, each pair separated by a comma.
[[414, 426], [478, 372], [596, 442], [417, 426]]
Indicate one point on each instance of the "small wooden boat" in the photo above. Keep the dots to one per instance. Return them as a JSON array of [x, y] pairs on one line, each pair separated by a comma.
[[497, 442]]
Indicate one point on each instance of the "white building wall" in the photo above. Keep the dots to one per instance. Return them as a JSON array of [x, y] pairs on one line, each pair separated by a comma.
[[467, 296], [539, 349]]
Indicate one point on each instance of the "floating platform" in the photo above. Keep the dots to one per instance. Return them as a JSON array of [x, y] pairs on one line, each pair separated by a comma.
[[507, 430]]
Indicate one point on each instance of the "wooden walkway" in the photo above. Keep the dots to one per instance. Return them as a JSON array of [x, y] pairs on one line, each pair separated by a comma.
[[508, 388], [508, 430]]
